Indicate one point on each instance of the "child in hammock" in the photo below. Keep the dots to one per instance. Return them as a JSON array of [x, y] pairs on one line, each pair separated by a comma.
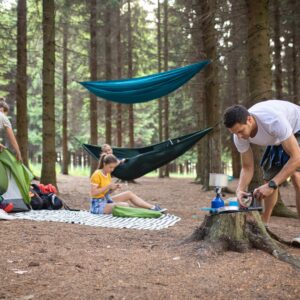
[[102, 186], [107, 149]]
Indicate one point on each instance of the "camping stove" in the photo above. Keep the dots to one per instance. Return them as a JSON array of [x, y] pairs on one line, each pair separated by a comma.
[[218, 181]]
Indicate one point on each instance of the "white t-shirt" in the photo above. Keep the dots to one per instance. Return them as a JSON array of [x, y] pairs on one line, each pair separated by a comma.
[[4, 121], [276, 121]]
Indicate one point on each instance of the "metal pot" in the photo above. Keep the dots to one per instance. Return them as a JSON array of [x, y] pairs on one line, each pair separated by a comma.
[[219, 180]]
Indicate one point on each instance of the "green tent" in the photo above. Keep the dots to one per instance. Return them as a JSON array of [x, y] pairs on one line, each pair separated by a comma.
[[15, 181]]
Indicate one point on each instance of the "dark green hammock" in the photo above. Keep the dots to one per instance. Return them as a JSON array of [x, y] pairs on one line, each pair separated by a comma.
[[140, 161]]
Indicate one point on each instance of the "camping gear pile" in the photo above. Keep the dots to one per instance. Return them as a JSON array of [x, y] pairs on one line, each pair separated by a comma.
[[44, 197], [16, 191]]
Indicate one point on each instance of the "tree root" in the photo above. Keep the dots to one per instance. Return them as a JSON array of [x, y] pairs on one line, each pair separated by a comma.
[[279, 239], [280, 210]]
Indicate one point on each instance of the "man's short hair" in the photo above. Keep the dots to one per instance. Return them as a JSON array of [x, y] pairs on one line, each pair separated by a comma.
[[235, 114], [3, 104]]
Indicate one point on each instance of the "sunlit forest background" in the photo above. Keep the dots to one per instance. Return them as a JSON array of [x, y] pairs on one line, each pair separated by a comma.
[[103, 40]]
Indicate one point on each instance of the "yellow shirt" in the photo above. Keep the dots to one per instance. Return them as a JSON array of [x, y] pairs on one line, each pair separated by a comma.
[[101, 180]]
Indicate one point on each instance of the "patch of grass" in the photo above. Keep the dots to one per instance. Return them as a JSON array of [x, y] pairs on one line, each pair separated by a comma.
[[79, 171]]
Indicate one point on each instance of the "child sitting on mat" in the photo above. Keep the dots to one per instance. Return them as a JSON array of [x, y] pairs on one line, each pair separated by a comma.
[[102, 186]]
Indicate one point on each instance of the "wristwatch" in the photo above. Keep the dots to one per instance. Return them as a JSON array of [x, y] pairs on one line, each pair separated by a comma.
[[272, 184]]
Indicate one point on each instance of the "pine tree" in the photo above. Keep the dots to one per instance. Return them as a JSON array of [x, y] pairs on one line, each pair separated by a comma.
[[93, 72], [49, 154], [21, 80], [65, 161]]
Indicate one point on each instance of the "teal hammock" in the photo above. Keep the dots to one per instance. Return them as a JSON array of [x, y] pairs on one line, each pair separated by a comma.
[[143, 89], [140, 161]]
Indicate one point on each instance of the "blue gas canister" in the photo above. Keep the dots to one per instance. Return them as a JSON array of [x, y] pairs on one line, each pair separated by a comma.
[[217, 202]]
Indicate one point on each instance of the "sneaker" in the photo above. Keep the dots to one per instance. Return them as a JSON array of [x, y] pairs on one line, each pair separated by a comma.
[[296, 241], [158, 208], [5, 216]]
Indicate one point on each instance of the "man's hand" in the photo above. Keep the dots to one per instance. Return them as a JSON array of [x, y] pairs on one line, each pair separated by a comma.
[[263, 192], [240, 195], [2, 147]]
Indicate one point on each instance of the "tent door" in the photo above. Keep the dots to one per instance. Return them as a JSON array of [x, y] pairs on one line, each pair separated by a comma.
[[13, 194]]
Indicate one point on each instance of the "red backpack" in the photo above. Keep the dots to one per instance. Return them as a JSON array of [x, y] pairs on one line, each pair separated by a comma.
[[47, 189]]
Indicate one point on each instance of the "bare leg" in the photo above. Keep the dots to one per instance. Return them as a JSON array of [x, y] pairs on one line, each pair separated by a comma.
[[269, 205], [109, 207], [131, 197], [296, 182]]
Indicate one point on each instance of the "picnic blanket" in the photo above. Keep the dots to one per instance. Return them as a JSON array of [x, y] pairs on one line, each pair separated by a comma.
[[86, 218]]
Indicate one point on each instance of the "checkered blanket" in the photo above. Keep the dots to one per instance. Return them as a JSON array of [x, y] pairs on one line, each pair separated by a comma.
[[86, 218]]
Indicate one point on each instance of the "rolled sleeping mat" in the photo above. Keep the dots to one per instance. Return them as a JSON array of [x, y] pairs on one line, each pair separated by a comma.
[[133, 212]]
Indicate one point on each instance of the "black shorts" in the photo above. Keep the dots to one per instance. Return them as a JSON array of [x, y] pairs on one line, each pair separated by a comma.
[[273, 160]]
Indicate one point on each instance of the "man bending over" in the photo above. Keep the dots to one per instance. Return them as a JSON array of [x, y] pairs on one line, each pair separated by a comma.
[[275, 124]]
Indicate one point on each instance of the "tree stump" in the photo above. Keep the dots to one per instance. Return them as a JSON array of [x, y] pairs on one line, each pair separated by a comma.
[[239, 231]]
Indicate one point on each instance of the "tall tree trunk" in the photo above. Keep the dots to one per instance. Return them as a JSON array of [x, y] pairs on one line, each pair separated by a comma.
[[166, 66], [108, 69], [212, 101], [130, 74], [259, 68], [65, 161], [22, 121], [119, 72], [198, 92], [295, 37], [280, 209], [93, 72], [160, 103], [233, 67], [235, 155], [259, 65], [236, 161], [288, 63], [49, 155], [277, 49]]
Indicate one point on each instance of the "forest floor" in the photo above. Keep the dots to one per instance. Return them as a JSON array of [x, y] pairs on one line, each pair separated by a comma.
[[68, 261]]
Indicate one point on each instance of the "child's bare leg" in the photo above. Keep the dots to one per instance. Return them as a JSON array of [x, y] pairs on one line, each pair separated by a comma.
[[134, 199], [109, 207]]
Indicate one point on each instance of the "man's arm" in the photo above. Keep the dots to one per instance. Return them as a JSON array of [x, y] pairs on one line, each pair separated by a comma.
[[13, 142], [291, 147], [246, 173]]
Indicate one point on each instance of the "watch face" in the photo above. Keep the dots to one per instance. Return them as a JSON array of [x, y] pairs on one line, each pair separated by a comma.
[[272, 184]]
